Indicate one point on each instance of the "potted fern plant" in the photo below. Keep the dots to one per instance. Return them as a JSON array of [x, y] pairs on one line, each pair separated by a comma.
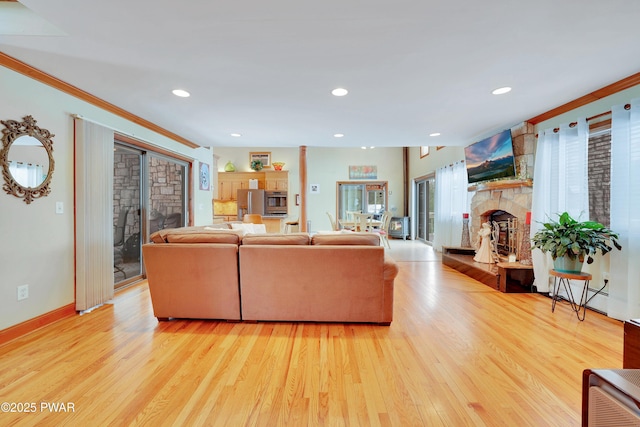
[[569, 242]]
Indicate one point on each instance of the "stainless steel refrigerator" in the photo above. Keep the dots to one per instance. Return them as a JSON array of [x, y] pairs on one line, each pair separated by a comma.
[[250, 202]]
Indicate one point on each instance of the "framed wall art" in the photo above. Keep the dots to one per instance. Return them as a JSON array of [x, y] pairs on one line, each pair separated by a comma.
[[263, 156], [205, 178], [363, 172]]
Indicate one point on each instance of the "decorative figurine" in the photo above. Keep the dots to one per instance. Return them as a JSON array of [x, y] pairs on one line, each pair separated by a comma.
[[483, 253]]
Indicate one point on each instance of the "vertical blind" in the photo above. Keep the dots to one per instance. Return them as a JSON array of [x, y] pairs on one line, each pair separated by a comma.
[[94, 214]]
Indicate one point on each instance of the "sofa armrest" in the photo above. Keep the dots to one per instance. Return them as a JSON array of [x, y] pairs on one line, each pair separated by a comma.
[[390, 268]]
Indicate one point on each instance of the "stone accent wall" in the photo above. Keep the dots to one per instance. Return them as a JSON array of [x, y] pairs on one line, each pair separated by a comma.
[[600, 178], [126, 189], [524, 147], [166, 191], [166, 188]]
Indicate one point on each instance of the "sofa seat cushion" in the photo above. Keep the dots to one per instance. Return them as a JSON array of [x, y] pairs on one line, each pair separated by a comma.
[[276, 239], [356, 239]]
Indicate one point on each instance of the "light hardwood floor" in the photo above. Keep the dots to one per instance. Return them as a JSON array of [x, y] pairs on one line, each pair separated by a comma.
[[457, 354]]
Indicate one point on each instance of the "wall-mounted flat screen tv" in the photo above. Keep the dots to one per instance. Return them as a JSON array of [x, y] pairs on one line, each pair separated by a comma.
[[491, 159]]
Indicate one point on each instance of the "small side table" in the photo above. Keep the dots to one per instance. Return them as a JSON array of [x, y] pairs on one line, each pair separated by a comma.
[[561, 278]]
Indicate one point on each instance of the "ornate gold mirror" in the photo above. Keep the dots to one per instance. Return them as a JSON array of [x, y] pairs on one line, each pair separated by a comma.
[[26, 158]]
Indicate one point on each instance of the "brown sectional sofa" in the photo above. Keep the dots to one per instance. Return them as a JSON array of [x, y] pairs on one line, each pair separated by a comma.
[[198, 272]]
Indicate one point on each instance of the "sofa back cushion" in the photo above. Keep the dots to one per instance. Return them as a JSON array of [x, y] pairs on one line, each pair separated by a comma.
[[276, 239], [215, 236], [196, 235], [360, 239]]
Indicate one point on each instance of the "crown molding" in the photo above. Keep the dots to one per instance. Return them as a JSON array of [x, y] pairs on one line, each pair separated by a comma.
[[35, 74]]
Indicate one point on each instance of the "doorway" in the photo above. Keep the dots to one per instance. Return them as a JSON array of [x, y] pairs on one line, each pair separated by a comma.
[[365, 197]]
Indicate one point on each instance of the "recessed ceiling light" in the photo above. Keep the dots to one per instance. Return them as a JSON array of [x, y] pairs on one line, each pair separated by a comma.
[[339, 92], [435, 134], [181, 93], [501, 90], [364, 148], [237, 135], [338, 135], [372, 147]]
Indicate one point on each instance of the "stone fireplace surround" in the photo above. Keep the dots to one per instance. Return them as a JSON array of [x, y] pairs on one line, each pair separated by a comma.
[[515, 200], [512, 196]]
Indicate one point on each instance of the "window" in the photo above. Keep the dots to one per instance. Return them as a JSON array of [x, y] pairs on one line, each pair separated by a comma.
[[599, 171]]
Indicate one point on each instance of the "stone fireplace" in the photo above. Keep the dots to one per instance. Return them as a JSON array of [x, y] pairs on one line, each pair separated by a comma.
[[504, 203], [506, 207], [507, 202]]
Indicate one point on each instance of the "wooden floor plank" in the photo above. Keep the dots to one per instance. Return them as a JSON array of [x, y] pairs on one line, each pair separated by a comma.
[[457, 353]]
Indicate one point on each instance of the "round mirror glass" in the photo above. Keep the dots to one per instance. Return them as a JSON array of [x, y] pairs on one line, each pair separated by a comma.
[[28, 161]]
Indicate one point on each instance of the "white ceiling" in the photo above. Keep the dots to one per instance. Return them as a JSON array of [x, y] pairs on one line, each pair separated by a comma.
[[265, 69]]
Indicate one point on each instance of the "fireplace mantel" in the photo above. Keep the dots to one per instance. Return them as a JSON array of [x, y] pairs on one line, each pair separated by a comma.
[[500, 185]]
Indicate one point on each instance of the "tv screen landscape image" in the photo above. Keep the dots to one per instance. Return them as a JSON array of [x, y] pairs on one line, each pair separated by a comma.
[[490, 159]]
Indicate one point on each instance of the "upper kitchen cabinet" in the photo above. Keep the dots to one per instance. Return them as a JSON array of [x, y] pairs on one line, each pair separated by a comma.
[[276, 180], [230, 182]]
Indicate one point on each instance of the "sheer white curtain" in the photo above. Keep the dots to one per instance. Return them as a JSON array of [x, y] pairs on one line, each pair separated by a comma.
[[26, 174], [451, 201], [624, 285], [560, 184], [94, 214]]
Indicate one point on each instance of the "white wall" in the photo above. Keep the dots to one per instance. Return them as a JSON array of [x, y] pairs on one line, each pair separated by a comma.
[[325, 166], [37, 245], [437, 158]]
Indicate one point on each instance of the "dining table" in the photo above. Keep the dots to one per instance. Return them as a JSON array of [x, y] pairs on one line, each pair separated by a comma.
[[350, 223]]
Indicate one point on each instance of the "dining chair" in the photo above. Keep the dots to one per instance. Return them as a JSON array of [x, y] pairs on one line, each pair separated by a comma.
[[383, 231], [334, 225], [288, 226], [252, 218], [363, 222], [350, 215]]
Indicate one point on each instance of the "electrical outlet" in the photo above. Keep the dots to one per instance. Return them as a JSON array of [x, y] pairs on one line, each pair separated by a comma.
[[23, 292]]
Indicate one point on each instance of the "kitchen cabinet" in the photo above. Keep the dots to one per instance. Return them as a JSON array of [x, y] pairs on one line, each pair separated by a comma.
[[276, 180], [230, 182]]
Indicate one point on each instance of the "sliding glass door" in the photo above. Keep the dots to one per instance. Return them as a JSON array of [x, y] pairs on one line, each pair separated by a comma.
[[127, 201], [425, 194], [365, 197], [149, 194]]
